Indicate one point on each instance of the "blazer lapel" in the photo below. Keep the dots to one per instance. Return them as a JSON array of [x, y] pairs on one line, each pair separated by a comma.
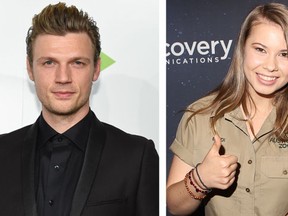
[[28, 156], [96, 141]]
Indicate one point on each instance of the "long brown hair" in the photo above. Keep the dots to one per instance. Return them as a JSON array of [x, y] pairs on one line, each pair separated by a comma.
[[233, 91]]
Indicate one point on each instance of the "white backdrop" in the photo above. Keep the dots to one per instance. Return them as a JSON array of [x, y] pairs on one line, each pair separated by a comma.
[[126, 94]]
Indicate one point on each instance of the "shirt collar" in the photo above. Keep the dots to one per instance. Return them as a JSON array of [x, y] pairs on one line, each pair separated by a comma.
[[78, 133], [236, 116]]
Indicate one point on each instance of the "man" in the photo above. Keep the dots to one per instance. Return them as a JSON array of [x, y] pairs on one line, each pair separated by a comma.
[[68, 162]]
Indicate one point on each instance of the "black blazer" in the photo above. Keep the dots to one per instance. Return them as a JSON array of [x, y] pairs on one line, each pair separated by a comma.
[[120, 174]]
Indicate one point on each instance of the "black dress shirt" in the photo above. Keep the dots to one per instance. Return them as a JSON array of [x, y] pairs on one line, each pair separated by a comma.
[[59, 159]]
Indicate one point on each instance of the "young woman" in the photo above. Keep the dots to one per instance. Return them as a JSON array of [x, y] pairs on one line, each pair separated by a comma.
[[231, 147]]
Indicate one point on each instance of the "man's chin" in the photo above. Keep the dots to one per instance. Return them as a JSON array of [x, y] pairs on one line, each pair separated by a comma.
[[63, 111]]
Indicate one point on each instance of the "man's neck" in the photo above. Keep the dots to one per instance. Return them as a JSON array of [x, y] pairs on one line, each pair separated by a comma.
[[62, 123]]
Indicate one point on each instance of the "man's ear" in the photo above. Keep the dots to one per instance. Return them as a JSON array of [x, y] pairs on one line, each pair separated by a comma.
[[97, 68], [29, 69]]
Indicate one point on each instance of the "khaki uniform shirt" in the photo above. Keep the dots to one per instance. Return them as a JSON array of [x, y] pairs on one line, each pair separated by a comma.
[[261, 187]]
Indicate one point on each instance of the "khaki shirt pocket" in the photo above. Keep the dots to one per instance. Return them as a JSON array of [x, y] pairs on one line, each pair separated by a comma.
[[274, 185], [274, 167]]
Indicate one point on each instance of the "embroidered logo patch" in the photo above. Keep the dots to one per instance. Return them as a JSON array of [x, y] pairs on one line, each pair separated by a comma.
[[278, 142]]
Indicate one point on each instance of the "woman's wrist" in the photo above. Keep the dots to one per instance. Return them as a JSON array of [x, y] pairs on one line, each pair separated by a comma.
[[194, 189], [200, 181]]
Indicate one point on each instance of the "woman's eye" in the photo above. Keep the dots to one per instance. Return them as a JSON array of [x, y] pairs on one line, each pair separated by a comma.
[[259, 49], [284, 54]]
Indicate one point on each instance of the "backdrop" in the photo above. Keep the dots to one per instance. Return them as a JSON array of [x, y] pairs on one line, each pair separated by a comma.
[[126, 95], [199, 46]]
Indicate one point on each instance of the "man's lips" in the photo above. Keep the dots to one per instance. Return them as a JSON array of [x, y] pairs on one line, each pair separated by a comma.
[[63, 94]]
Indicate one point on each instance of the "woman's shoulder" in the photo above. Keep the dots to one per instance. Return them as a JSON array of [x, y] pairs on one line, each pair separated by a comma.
[[201, 103]]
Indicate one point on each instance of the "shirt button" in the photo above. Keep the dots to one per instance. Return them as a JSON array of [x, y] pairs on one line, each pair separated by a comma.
[[60, 139], [51, 202], [56, 167], [285, 172], [249, 161], [247, 190]]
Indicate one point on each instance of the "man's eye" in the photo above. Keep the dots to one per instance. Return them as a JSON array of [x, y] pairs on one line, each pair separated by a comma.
[[79, 63], [48, 62]]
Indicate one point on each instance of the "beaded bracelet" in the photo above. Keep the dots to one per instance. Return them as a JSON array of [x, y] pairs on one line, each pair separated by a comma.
[[189, 191], [191, 178], [208, 189]]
